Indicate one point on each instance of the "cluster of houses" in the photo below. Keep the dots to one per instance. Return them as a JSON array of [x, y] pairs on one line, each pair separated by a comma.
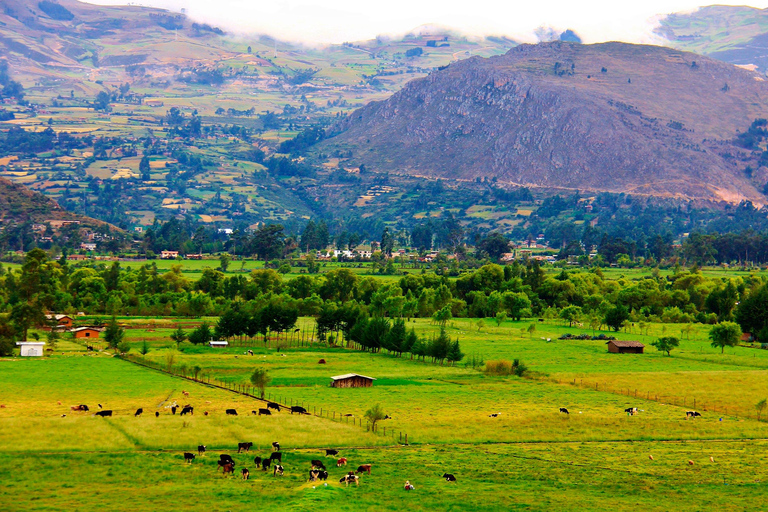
[[65, 323]]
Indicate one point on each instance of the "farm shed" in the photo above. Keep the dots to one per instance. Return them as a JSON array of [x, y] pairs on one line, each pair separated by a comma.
[[351, 380], [625, 347], [31, 348], [218, 344], [86, 332], [61, 320]]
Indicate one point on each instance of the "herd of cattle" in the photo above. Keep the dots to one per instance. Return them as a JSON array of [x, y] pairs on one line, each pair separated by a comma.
[[188, 409]]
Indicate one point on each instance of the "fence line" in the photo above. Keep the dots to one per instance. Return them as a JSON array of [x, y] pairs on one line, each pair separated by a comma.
[[282, 401]]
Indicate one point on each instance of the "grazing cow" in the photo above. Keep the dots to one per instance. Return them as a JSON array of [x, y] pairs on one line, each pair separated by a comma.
[[246, 474], [318, 464], [449, 477], [341, 462], [205, 413], [173, 409], [278, 470], [690, 463], [564, 410], [278, 456], [228, 467], [185, 393], [63, 415], [78, 408], [331, 452], [273, 405], [188, 409], [365, 468], [541, 319], [322, 361], [298, 409], [231, 412], [275, 446], [100, 407], [347, 479], [264, 412], [387, 417], [89, 348], [157, 414], [631, 411], [313, 475], [201, 449], [244, 447], [495, 415], [104, 414], [189, 457], [224, 458], [265, 463], [139, 412], [250, 352], [322, 475], [691, 414]]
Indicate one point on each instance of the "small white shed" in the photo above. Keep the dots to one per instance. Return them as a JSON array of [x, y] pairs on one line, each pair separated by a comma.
[[31, 348], [218, 344]]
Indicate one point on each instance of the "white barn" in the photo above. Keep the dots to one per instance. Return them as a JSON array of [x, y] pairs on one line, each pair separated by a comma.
[[31, 348]]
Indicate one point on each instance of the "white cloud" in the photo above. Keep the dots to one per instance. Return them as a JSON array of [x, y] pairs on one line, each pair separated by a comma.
[[335, 21]]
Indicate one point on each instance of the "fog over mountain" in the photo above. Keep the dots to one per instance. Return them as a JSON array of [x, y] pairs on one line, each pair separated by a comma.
[[336, 21]]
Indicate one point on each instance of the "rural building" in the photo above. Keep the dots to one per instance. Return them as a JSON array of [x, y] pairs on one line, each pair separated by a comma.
[[86, 332], [60, 320], [747, 337], [169, 255], [218, 344], [31, 348], [351, 380], [625, 347]]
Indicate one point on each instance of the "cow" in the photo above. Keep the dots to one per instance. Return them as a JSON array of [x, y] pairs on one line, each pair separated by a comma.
[[298, 409], [322, 475], [564, 410], [631, 411], [189, 457], [201, 449], [322, 361], [278, 470], [341, 462], [318, 464], [157, 414], [265, 463], [277, 456], [541, 319], [273, 405], [449, 477], [244, 447], [173, 409], [346, 479], [89, 348], [494, 415], [365, 468], [100, 407], [81, 407], [231, 412], [250, 352], [313, 475], [331, 452], [264, 412], [227, 467], [138, 412], [104, 413], [224, 459], [275, 446], [187, 409], [691, 414], [246, 474], [387, 417], [205, 413], [185, 393]]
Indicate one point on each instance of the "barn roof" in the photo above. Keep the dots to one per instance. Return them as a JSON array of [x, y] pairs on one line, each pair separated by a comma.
[[78, 329], [625, 343], [350, 375]]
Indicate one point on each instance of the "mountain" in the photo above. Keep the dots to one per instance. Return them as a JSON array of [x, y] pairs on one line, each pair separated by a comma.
[[609, 117], [735, 34]]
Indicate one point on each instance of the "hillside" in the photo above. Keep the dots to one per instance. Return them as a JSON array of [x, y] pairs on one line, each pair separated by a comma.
[[608, 117]]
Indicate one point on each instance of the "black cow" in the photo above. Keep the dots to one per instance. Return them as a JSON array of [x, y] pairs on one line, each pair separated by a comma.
[[278, 470], [244, 447], [273, 405], [692, 414], [313, 474], [265, 463], [157, 414], [331, 452], [173, 409], [494, 415], [139, 412], [201, 449], [449, 477], [105, 413], [564, 410], [318, 464], [231, 412], [89, 348], [188, 409], [278, 456], [226, 458], [189, 457], [264, 412], [298, 409], [322, 475], [276, 446]]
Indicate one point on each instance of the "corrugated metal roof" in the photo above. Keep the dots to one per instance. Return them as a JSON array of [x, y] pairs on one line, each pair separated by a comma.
[[350, 375], [623, 343]]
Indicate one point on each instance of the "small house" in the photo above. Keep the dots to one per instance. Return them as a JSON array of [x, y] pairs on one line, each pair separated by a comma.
[[31, 348], [625, 347], [85, 332], [747, 337], [351, 380], [218, 344], [60, 320], [169, 255]]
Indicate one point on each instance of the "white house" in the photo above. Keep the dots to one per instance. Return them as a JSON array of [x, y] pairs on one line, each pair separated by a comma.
[[218, 344], [31, 348]]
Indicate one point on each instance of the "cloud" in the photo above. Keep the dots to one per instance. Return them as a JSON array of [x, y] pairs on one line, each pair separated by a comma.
[[336, 21]]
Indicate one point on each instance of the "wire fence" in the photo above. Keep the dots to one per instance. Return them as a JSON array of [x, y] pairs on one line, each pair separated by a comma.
[[287, 402]]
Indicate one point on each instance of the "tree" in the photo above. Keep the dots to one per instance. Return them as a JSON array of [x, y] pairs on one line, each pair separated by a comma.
[[144, 348], [760, 406], [501, 317], [201, 335], [454, 353], [224, 261], [725, 334], [570, 314], [531, 329], [144, 168], [443, 316], [179, 336], [374, 415], [260, 378], [102, 102], [494, 245], [616, 317], [666, 344], [114, 334], [268, 241]]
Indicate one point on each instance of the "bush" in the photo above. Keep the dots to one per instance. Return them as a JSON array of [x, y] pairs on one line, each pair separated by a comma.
[[504, 367]]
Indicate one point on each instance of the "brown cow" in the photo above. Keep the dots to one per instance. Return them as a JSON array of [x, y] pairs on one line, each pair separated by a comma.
[[341, 462], [364, 468]]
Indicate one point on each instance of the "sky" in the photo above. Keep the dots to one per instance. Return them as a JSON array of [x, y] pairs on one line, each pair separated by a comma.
[[337, 21]]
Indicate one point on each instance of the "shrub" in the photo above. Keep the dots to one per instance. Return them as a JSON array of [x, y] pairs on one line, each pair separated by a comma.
[[503, 367]]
